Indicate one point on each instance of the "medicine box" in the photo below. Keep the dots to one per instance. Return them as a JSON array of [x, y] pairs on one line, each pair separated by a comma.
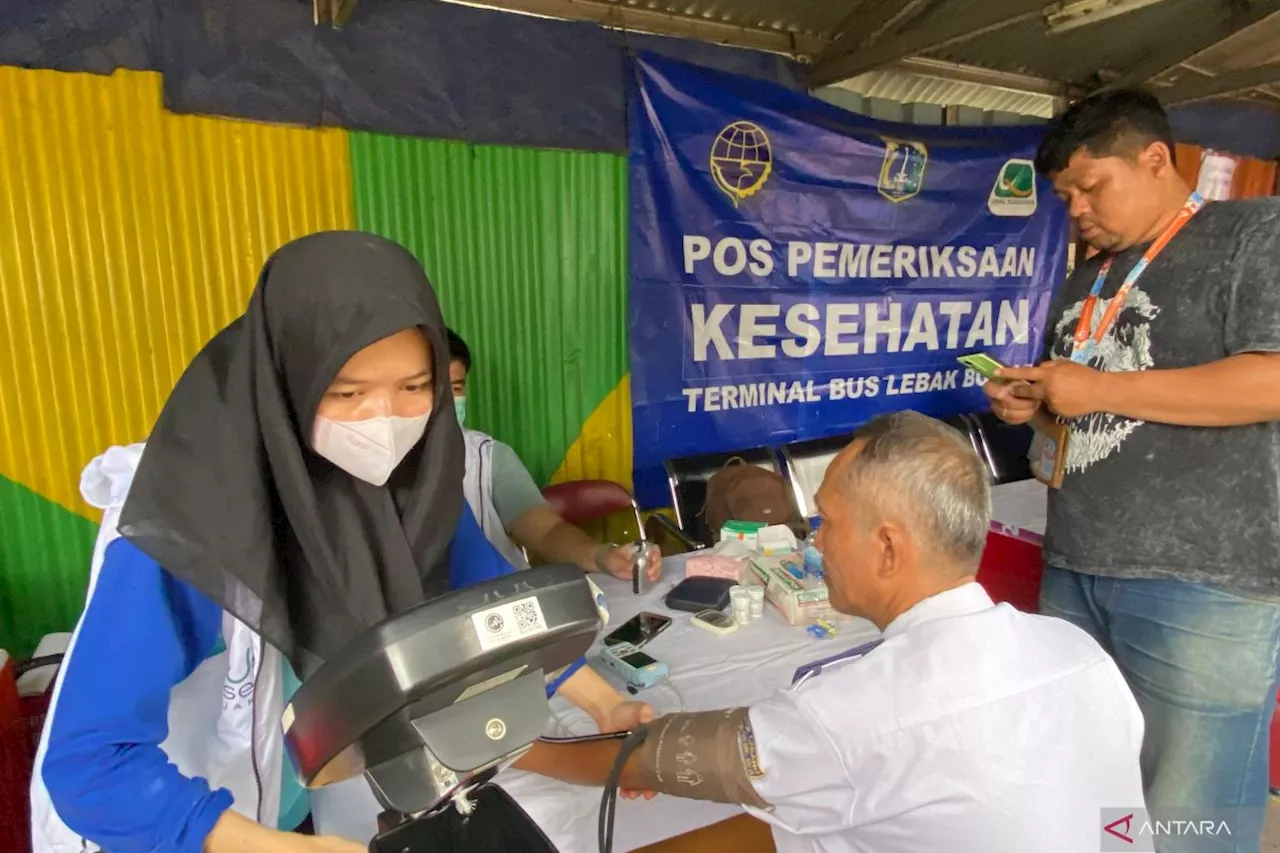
[[714, 566], [776, 540], [746, 532], [799, 602]]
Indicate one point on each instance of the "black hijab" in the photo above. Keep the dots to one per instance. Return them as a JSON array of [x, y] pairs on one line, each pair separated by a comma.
[[229, 496]]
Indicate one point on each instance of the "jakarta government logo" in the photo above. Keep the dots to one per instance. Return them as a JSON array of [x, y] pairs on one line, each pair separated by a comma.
[[741, 160], [902, 172], [1014, 192]]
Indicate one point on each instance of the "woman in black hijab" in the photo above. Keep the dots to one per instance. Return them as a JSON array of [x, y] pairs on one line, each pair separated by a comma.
[[300, 485]]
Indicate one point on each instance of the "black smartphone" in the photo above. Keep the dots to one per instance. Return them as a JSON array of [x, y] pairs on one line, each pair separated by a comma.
[[638, 630]]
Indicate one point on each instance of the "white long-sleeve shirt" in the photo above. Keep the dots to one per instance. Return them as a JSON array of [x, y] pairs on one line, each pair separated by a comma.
[[973, 727]]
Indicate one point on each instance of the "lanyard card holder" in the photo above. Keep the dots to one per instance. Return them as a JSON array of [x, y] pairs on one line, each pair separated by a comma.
[[1048, 454]]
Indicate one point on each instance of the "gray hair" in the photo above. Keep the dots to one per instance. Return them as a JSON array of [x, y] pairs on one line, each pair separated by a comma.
[[922, 471]]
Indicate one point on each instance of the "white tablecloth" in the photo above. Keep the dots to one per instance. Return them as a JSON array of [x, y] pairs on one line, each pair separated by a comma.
[[707, 672], [1022, 505]]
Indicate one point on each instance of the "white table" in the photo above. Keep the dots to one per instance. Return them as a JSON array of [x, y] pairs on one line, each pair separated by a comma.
[[707, 672], [1021, 506]]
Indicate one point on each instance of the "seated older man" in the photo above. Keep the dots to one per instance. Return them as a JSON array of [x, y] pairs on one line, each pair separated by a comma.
[[972, 726]]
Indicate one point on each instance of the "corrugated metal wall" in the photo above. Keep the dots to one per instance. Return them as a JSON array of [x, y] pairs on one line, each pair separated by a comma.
[[128, 237], [528, 251]]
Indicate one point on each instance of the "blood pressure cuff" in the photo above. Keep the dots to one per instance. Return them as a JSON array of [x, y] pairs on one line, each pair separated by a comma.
[[710, 755], [498, 825]]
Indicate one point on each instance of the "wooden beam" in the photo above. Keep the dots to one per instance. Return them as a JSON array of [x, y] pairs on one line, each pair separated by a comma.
[[1195, 38], [618, 16], [1199, 88], [952, 23]]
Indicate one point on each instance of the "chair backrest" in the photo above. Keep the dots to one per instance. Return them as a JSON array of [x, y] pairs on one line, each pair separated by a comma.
[[966, 427], [806, 463], [687, 479], [1005, 447], [1011, 571], [581, 501]]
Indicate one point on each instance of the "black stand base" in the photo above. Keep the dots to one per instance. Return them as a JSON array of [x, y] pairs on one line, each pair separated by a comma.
[[498, 825]]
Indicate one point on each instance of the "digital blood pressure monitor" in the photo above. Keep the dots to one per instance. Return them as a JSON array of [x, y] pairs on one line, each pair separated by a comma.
[[636, 668]]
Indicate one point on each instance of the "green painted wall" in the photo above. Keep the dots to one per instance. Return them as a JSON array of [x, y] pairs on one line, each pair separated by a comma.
[[528, 251], [44, 565]]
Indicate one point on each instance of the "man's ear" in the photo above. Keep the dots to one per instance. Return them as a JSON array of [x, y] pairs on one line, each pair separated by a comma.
[[1157, 157], [894, 545]]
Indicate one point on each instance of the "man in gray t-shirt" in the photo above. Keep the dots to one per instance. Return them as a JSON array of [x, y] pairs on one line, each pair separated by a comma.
[[1164, 539], [510, 506]]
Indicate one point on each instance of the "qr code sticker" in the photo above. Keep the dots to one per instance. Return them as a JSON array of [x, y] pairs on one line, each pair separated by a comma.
[[527, 615], [507, 623]]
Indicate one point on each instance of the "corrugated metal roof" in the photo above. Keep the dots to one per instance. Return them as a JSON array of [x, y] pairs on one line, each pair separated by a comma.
[[1114, 45], [913, 88], [1082, 58], [817, 18]]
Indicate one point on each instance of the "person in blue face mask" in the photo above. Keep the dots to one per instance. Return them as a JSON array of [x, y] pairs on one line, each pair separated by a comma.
[[509, 504], [302, 484]]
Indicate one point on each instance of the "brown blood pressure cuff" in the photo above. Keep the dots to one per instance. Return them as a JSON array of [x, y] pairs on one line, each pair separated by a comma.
[[709, 755]]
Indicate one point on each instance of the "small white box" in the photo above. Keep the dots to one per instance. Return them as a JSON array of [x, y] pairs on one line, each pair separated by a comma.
[[776, 540]]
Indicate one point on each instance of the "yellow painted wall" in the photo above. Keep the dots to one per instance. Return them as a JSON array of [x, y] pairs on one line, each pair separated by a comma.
[[128, 237]]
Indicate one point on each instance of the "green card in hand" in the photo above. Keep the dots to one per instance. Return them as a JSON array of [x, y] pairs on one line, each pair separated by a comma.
[[981, 363]]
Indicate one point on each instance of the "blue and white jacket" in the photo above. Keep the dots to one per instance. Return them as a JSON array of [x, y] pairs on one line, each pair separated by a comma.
[[167, 709]]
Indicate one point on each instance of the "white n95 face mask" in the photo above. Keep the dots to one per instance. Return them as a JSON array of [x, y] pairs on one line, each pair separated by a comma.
[[369, 449]]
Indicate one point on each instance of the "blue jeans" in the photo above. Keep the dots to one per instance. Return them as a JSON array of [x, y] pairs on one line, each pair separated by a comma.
[[1202, 663]]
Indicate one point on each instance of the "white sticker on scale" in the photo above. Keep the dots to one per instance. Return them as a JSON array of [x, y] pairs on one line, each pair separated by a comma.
[[507, 623]]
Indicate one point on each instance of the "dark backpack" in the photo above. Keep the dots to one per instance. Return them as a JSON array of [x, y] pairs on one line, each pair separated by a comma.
[[743, 492]]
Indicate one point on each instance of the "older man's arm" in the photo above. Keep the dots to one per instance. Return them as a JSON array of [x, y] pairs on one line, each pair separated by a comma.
[[775, 759], [710, 755]]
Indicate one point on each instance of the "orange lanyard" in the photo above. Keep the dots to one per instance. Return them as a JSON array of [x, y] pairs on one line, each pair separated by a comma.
[[1083, 345]]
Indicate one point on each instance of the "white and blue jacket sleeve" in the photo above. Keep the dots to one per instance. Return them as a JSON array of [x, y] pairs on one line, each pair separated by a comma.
[[143, 633]]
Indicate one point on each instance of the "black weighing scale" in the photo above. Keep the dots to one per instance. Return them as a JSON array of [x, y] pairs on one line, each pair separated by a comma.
[[432, 703]]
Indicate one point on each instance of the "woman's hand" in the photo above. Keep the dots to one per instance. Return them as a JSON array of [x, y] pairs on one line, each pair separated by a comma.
[[626, 717], [610, 709]]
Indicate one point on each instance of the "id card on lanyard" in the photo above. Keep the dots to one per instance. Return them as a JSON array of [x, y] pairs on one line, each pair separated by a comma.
[[1084, 345]]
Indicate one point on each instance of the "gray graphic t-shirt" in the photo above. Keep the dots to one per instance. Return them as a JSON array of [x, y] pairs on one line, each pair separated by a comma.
[[1146, 500]]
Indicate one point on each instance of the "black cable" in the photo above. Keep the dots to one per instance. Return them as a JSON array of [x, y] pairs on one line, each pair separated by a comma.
[[592, 738], [609, 801]]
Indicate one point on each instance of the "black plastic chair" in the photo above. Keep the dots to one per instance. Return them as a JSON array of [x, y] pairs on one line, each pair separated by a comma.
[[966, 427], [804, 465], [687, 480], [1005, 447]]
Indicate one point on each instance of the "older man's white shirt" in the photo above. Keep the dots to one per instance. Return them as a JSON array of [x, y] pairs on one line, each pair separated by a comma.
[[973, 727]]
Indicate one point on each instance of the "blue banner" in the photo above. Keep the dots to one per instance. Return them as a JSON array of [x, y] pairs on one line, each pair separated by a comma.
[[797, 269]]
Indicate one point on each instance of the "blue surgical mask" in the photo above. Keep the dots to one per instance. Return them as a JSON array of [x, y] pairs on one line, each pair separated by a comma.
[[460, 406]]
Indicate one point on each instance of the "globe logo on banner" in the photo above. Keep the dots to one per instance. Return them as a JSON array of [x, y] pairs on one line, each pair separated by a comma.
[[1014, 192], [902, 172], [741, 160]]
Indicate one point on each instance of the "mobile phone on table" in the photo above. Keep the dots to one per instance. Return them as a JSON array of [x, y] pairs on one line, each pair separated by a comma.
[[982, 364], [638, 630]]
